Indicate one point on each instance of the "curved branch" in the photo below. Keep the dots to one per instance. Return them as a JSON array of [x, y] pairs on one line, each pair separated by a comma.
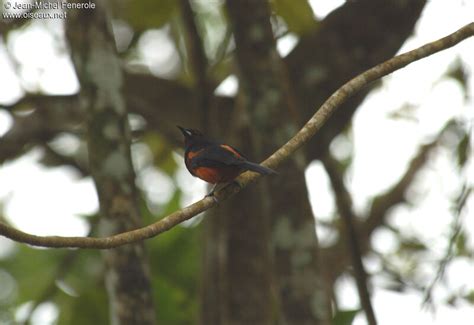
[[308, 131]]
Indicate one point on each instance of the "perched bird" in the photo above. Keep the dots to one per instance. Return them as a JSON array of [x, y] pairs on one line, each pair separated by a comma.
[[214, 161]]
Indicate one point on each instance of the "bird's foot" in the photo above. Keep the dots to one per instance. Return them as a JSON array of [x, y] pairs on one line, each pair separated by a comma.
[[221, 186], [211, 195]]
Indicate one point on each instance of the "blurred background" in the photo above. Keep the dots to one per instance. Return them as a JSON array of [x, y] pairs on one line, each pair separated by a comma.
[[400, 154]]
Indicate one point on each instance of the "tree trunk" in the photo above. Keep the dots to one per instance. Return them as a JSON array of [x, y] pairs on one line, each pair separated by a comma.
[[100, 74], [266, 217]]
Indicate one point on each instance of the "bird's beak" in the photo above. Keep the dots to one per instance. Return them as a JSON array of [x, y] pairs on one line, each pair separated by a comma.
[[185, 132]]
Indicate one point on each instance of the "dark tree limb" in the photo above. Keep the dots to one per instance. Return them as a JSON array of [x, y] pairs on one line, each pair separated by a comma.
[[336, 256], [351, 39], [51, 116], [198, 62], [52, 157], [344, 206], [55, 114], [382, 203]]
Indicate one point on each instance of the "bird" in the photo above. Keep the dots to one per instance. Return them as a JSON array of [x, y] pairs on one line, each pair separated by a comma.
[[215, 162]]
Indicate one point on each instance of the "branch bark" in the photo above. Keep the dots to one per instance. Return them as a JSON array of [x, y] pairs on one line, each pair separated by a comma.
[[302, 137]]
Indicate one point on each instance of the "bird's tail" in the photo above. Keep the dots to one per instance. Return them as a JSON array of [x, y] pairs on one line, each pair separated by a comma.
[[258, 168]]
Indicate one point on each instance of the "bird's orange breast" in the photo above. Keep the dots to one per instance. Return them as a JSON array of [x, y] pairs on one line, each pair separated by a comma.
[[215, 175]]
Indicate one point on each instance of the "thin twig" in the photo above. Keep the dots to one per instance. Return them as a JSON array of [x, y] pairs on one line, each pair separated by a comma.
[[344, 205], [396, 195], [379, 206], [303, 136], [455, 231]]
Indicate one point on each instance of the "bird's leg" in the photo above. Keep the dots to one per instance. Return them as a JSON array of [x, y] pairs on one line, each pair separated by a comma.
[[214, 188], [211, 193], [222, 185]]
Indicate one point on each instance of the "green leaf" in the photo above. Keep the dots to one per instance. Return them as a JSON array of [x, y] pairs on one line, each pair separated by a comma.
[[174, 259], [146, 14], [297, 14], [32, 269], [91, 307], [463, 150], [458, 72], [344, 317], [470, 297], [412, 245], [462, 249]]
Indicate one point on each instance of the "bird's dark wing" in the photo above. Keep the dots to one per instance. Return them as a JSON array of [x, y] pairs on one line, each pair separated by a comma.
[[225, 156], [218, 156]]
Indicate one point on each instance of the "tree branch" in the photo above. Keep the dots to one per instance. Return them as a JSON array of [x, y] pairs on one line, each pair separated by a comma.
[[336, 256], [381, 203], [48, 119], [348, 51], [198, 62], [142, 92], [53, 158], [456, 229], [308, 131], [344, 205]]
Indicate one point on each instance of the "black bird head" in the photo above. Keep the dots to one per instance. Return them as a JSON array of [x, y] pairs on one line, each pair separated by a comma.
[[191, 136]]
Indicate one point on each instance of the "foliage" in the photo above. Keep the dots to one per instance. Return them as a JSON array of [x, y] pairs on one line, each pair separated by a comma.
[[344, 317], [298, 15]]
